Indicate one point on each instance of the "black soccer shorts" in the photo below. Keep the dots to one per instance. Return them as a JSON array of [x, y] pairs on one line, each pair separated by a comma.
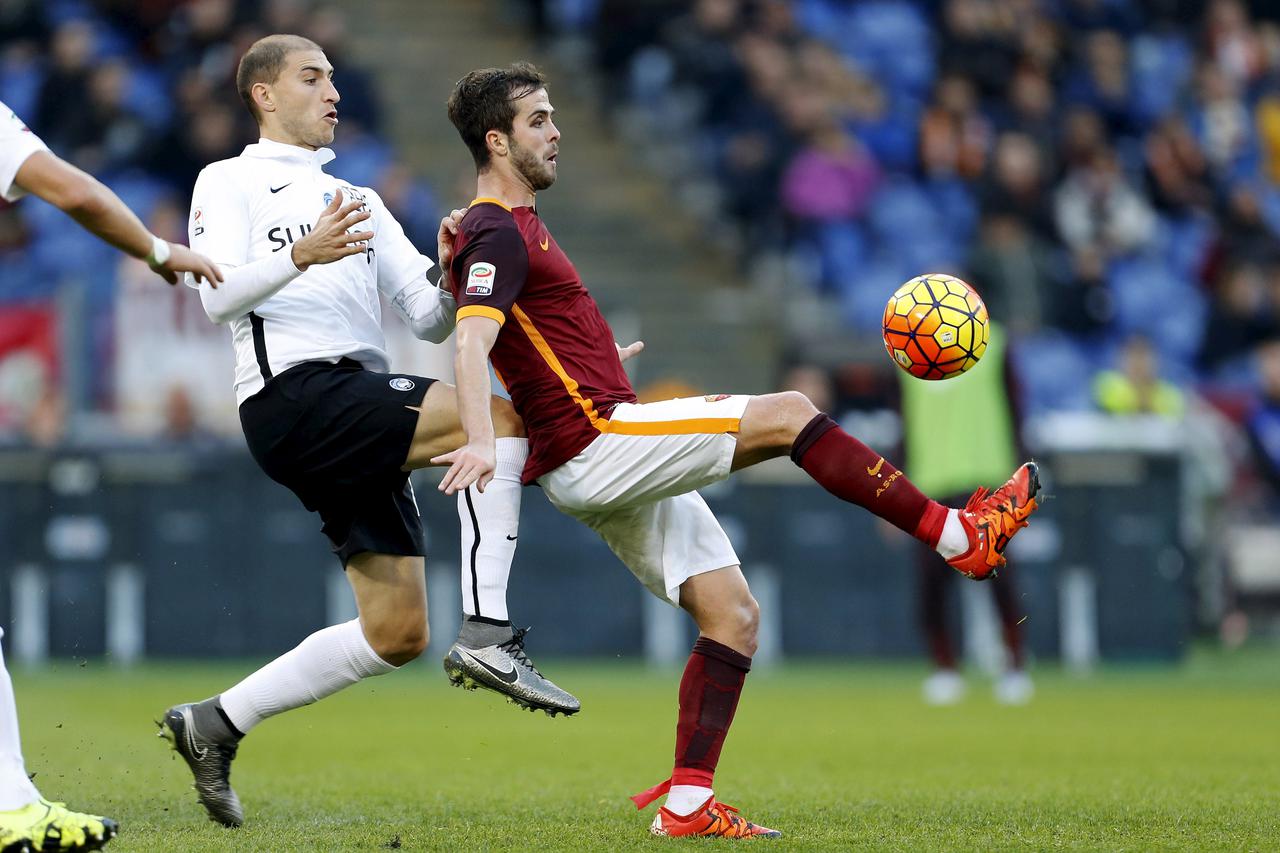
[[338, 435]]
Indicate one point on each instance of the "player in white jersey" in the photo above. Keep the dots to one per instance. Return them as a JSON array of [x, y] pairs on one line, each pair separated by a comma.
[[305, 257], [27, 820]]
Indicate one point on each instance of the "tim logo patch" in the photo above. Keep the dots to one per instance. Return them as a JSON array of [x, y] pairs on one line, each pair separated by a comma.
[[480, 279], [402, 384]]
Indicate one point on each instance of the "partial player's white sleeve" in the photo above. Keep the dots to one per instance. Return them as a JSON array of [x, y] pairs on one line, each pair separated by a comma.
[[17, 143], [407, 278], [219, 223], [219, 229], [245, 288]]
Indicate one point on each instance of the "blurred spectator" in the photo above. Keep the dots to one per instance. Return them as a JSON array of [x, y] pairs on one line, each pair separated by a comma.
[[1102, 84], [979, 43], [1222, 123], [831, 176], [1135, 388], [182, 423], [1232, 42], [62, 117], [1177, 170], [1031, 111], [1263, 422], [1015, 270], [1017, 186], [1098, 209], [1239, 318], [46, 423], [954, 136]]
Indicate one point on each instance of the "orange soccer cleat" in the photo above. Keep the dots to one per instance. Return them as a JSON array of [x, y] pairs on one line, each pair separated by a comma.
[[991, 520], [709, 820]]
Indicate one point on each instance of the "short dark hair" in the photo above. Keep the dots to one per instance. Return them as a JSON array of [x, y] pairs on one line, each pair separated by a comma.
[[484, 100], [263, 62]]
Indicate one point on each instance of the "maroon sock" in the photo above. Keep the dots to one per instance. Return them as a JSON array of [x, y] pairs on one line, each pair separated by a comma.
[[709, 694], [853, 472]]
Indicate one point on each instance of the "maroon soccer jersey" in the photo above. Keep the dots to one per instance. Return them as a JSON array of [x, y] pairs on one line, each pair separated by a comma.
[[554, 353]]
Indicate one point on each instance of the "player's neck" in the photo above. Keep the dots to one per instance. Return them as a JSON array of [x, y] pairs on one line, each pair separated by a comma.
[[272, 134], [511, 190]]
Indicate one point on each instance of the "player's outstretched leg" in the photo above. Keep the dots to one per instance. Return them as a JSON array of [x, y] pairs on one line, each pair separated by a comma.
[[991, 519], [972, 539], [728, 619]]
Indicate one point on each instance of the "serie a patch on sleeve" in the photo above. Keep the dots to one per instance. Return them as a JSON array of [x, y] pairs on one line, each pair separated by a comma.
[[480, 279]]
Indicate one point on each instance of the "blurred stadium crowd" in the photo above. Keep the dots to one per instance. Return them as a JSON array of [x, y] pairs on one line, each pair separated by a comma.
[[1103, 171], [142, 95]]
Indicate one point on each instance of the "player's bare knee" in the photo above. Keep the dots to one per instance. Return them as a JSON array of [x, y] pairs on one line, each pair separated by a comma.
[[400, 641], [796, 409], [778, 418], [747, 615], [506, 423]]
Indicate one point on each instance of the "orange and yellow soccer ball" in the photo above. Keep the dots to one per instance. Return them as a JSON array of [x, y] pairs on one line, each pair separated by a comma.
[[936, 326]]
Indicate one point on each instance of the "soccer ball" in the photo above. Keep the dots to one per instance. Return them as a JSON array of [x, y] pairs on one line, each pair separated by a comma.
[[935, 326]]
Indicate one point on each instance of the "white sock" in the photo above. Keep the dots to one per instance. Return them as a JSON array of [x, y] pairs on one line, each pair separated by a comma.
[[16, 790], [954, 541], [321, 665], [495, 516], [683, 799]]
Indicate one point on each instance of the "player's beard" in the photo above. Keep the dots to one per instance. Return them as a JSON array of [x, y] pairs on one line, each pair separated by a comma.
[[536, 171], [309, 134]]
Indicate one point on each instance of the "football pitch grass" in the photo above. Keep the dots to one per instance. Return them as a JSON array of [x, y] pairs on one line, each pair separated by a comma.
[[836, 755]]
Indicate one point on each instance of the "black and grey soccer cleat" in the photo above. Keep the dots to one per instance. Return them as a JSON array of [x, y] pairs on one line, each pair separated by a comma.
[[210, 763], [505, 668]]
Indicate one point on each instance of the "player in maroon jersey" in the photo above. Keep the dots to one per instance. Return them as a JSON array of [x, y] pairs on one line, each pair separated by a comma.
[[631, 471]]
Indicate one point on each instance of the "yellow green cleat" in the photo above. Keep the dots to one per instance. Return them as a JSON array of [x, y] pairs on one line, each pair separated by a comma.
[[45, 827]]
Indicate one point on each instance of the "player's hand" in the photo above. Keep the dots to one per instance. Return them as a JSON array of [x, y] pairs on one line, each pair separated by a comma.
[[183, 260], [332, 238], [471, 464], [629, 350], [445, 238]]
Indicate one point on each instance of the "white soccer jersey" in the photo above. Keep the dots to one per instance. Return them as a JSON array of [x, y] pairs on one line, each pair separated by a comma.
[[253, 206], [17, 143]]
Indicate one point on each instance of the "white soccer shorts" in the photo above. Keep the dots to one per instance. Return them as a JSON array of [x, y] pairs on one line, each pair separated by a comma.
[[635, 485]]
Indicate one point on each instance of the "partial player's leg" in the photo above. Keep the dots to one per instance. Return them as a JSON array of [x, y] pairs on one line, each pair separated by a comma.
[[728, 619], [489, 652], [677, 549], [1014, 686], [972, 540], [27, 820], [944, 686], [391, 630]]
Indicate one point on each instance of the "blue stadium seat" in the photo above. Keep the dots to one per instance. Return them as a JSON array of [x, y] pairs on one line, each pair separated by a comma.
[[1055, 372], [864, 291]]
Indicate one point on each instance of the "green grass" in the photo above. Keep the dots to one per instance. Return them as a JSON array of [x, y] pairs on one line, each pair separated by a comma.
[[837, 756]]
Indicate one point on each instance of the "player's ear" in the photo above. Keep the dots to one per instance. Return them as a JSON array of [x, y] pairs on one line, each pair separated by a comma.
[[262, 96], [496, 140]]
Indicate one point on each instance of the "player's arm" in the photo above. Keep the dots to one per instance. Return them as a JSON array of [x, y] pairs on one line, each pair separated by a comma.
[[473, 463], [86, 200], [247, 286]]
